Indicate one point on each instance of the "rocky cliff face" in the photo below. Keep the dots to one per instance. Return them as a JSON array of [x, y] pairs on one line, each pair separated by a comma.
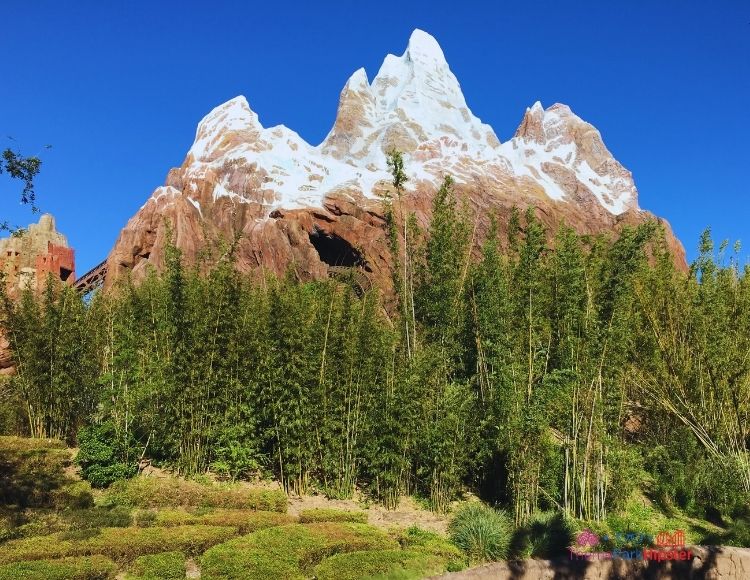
[[291, 204]]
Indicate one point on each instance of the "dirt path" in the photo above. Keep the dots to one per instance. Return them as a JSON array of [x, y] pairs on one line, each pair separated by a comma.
[[407, 514]]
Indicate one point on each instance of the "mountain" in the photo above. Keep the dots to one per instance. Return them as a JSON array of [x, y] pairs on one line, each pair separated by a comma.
[[291, 204]]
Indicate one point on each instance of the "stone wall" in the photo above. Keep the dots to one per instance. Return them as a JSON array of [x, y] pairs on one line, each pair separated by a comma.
[[709, 563]]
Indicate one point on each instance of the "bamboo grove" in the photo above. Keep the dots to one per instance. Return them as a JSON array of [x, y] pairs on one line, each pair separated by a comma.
[[558, 372]]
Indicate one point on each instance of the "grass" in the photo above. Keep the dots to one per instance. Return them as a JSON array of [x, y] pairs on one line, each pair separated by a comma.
[[245, 521], [484, 533], [32, 471], [401, 564], [120, 544], [418, 540], [87, 568], [164, 566], [546, 535], [153, 492], [331, 515], [289, 551], [642, 517], [24, 444]]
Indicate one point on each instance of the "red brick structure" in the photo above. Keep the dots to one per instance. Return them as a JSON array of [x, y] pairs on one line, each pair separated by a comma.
[[27, 259], [58, 261]]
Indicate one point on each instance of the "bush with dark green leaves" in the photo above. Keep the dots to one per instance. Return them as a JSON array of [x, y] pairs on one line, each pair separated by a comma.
[[104, 456]]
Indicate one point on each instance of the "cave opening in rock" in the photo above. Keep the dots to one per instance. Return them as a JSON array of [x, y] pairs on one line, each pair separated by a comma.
[[336, 251]]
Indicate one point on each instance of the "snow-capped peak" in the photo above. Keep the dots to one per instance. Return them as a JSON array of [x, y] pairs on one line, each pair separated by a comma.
[[424, 49], [215, 129], [413, 100], [415, 105]]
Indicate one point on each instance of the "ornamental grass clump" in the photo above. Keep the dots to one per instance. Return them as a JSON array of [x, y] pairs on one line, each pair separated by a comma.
[[484, 533]]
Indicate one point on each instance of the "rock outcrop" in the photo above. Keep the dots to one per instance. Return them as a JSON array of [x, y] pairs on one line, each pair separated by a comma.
[[706, 563], [293, 205]]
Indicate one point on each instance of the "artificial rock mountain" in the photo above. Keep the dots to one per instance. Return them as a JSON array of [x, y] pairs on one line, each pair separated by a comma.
[[290, 204]]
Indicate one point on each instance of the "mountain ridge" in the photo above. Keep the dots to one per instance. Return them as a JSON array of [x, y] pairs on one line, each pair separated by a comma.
[[273, 189]]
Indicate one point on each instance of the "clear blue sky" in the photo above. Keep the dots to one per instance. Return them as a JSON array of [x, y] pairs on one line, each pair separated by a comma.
[[118, 88]]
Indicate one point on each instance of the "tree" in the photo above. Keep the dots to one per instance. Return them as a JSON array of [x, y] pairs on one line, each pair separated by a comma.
[[25, 169]]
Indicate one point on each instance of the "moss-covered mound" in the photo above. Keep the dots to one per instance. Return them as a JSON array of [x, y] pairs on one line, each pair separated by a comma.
[[289, 551]]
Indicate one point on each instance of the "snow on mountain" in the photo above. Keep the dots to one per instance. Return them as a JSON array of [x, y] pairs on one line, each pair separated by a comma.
[[292, 205], [414, 104]]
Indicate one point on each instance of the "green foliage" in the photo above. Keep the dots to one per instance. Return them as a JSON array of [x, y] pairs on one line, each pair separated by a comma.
[[24, 169], [737, 534], [103, 455], [85, 568], [289, 551], [331, 515], [164, 566], [417, 540], [244, 520], [400, 564], [52, 340], [74, 496], [545, 535], [98, 517], [546, 371], [482, 532], [120, 544], [150, 492], [32, 471]]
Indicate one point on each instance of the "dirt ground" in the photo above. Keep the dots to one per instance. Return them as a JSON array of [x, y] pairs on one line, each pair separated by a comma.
[[408, 513]]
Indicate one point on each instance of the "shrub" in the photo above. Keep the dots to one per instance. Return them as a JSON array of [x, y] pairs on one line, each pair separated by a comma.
[[737, 534], [104, 457], [626, 475], [87, 568], [288, 551], [144, 518], [546, 535], [31, 471], [386, 563], [76, 496], [99, 517], [244, 520], [151, 492], [23, 444], [331, 515], [482, 532], [418, 540], [164, 566], [122, 544]]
